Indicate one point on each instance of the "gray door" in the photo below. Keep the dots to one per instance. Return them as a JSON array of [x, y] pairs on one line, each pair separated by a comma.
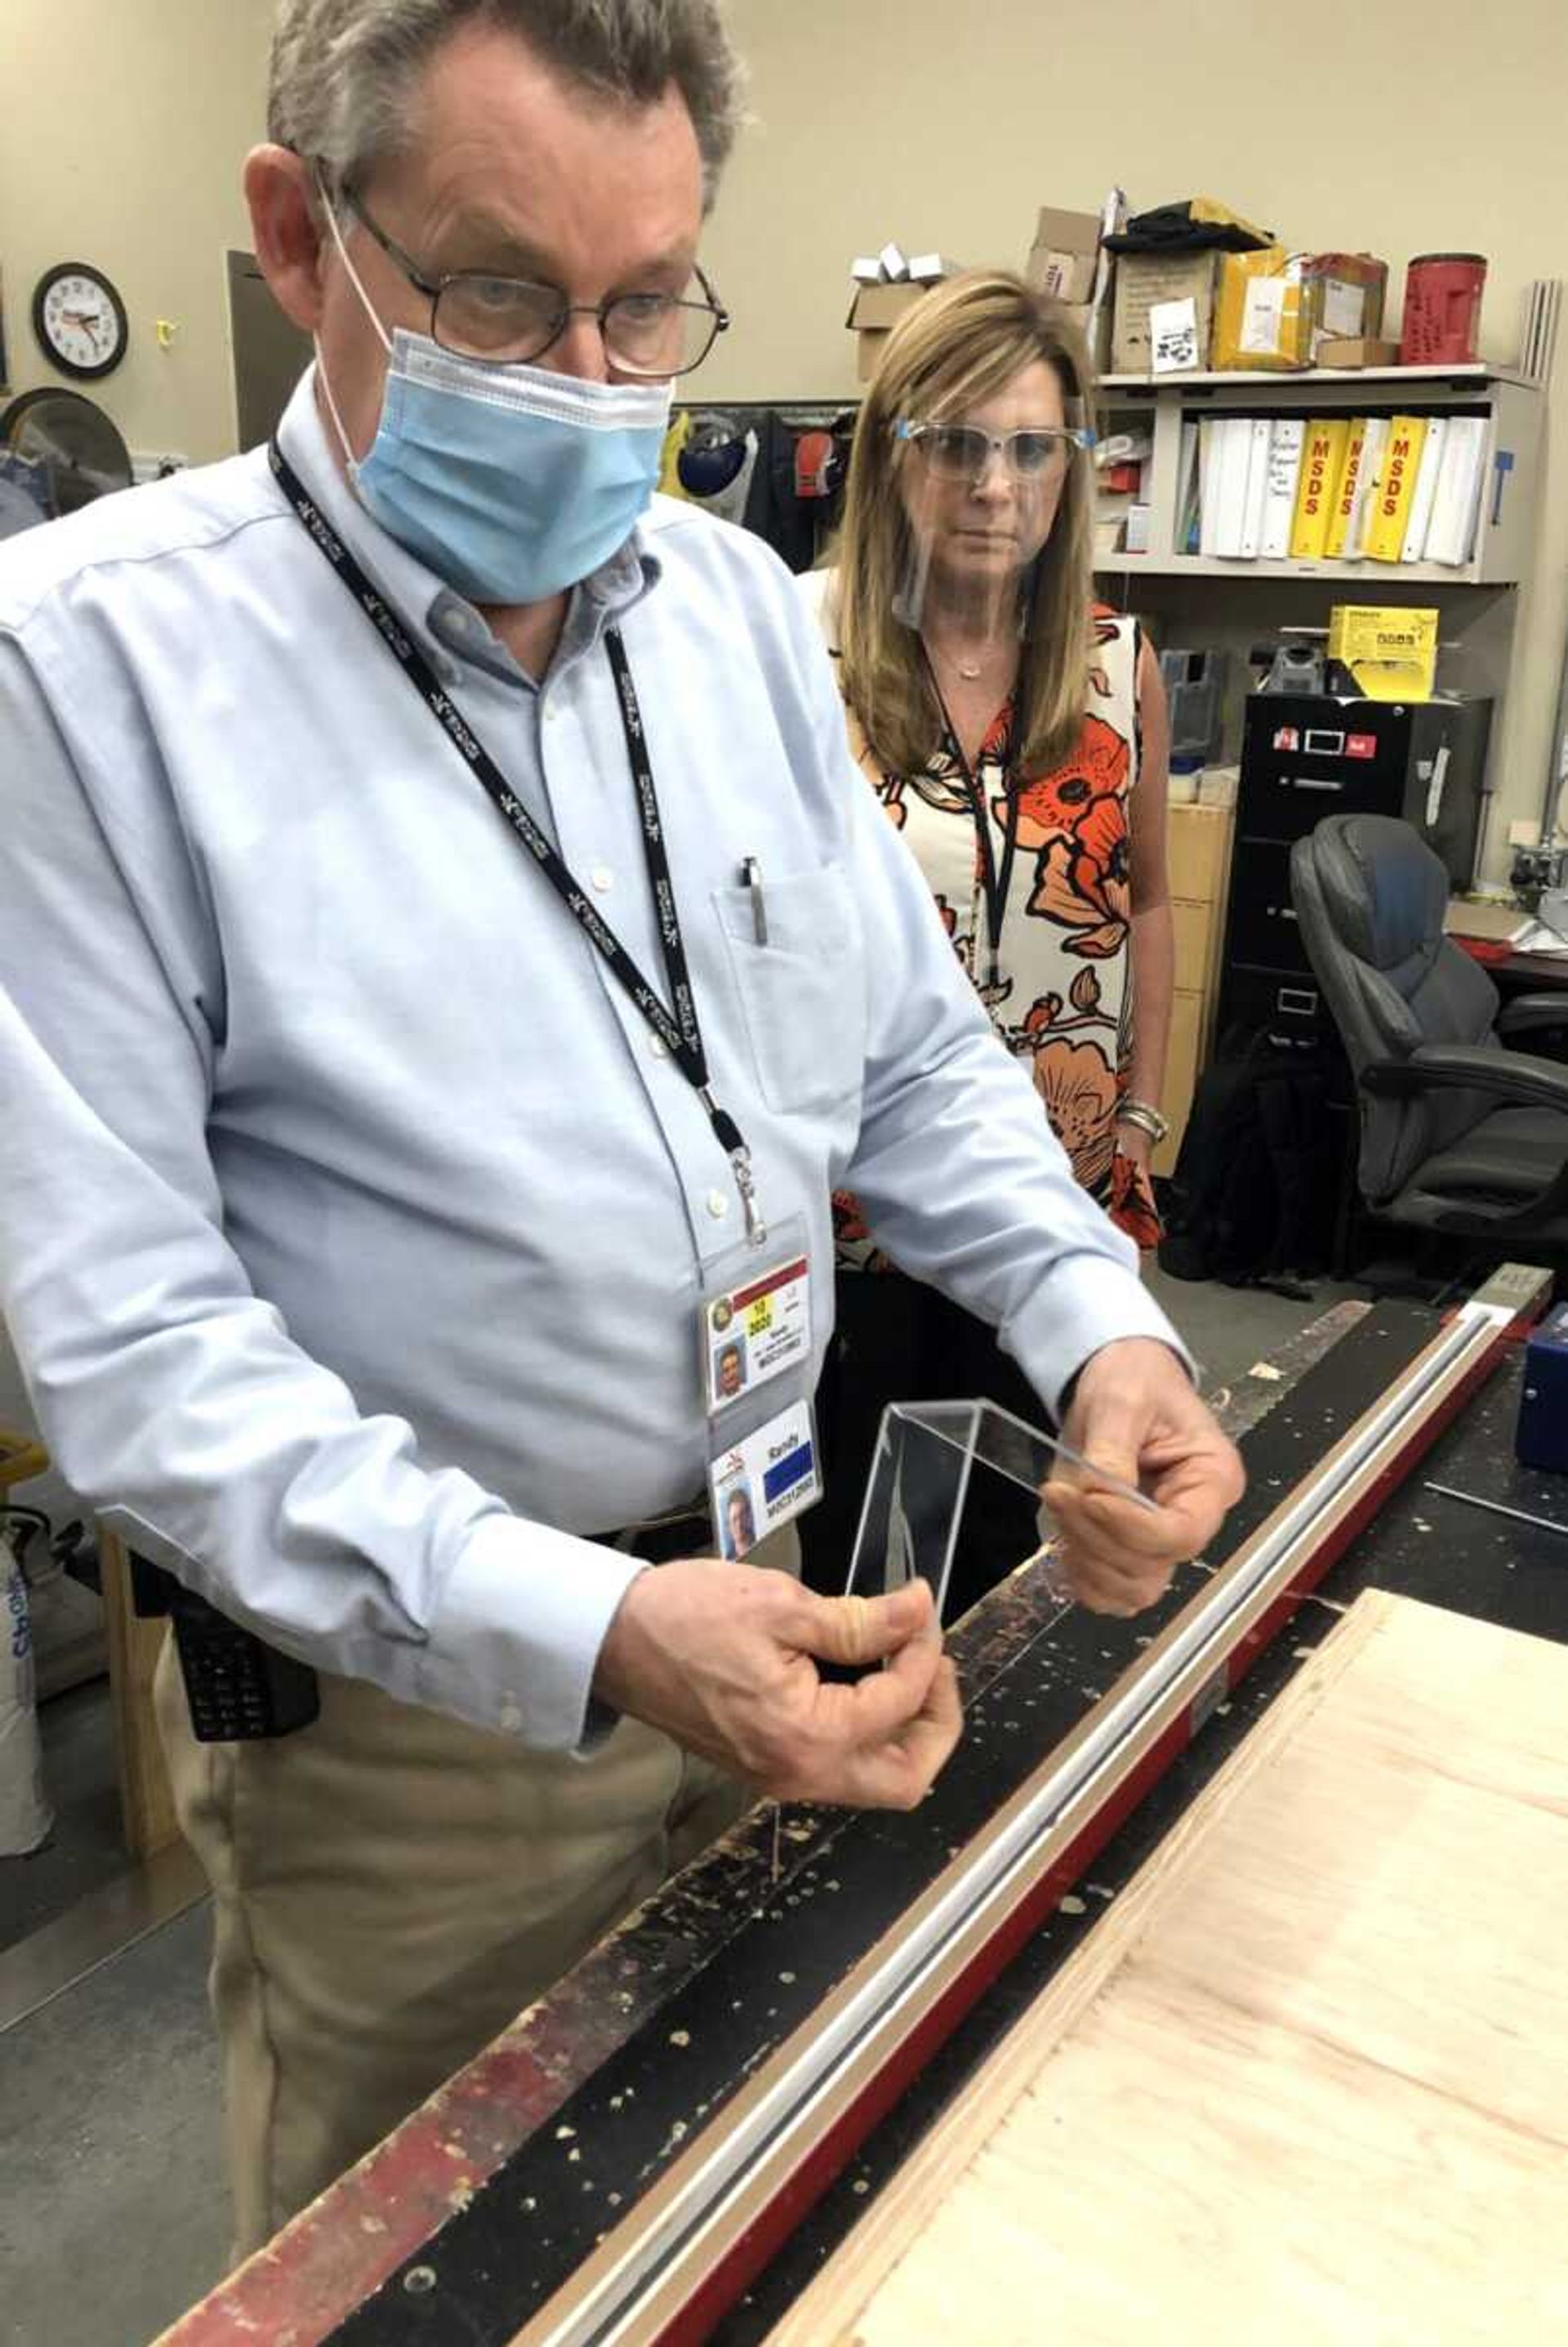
[[271, 353]]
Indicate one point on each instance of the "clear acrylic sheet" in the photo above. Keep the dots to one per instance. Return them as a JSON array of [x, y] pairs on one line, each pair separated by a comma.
[[935, 1502]]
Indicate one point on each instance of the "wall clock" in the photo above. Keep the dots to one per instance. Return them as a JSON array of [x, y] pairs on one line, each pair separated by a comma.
[[80, 320]]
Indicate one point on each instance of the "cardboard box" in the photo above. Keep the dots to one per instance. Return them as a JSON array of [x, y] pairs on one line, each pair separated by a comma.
[[1391, 650], [1145, 280], [1356, 350], [1258, 320], [1092, 324], [873, 313], [876, 309], [1197, 852], [1065, 254], [1277, 309], [1343, 296]]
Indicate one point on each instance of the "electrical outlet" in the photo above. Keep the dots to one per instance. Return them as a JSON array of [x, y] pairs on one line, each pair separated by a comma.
[[149, 466]]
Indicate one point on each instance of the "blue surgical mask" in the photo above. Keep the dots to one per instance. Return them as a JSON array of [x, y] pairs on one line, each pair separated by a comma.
[[512, 483]]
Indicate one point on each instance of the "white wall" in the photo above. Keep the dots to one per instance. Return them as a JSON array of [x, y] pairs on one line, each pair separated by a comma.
[[947, 127], [122, 125]]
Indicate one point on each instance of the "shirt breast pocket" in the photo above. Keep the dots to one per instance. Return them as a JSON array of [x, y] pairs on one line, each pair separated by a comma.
[[800, 992]]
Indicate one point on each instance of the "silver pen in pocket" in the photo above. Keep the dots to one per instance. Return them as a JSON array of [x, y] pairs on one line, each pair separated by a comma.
[[751, 877]]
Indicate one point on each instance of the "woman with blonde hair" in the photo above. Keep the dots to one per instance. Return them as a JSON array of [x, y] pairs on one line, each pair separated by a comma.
[[1017, 734]]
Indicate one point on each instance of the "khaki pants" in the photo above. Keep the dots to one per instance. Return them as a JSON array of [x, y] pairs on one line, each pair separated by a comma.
[[391, 1889]]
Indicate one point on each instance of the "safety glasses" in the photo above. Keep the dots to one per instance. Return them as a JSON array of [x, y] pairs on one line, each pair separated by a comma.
[[963, 453]]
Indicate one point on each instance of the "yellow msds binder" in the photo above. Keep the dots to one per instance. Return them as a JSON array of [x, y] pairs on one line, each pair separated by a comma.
[[1322, 462], [1345, 498], [1388, 516]]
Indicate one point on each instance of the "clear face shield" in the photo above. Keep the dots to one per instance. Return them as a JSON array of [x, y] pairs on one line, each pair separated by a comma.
[[980, 503]]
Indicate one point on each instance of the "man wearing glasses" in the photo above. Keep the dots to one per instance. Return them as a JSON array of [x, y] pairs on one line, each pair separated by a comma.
[[436, 948]]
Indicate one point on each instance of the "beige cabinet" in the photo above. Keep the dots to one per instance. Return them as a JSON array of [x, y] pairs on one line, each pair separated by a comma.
[[1198, 860]]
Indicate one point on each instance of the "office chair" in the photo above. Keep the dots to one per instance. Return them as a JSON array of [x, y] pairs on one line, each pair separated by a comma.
[[1458, 1132]]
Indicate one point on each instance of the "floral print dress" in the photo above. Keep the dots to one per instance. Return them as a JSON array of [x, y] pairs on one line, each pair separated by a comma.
[[1062, 996]]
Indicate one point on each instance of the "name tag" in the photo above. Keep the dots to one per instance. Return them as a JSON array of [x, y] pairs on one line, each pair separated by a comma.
[[756, 1332], [764, 1481]]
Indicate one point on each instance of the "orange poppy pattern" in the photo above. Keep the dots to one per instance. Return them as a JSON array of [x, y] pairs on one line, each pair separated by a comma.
[[1063, 997]]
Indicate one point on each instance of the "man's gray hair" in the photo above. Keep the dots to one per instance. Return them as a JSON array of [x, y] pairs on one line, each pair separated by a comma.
[[345, 72]]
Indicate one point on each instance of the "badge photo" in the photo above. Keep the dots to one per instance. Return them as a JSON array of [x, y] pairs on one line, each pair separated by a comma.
[[756, 1330], [764, 1481]]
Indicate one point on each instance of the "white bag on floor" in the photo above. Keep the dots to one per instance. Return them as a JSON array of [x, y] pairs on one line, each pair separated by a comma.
[[24, 1817]]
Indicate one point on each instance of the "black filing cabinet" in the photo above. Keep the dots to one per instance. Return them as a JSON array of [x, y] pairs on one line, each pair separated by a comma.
[[1305, 756]]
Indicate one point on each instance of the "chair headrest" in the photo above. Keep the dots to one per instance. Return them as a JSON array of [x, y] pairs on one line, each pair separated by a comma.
[[1385, 890]]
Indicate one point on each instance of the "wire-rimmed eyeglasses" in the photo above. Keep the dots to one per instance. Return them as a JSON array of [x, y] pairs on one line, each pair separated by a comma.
[[512, 320]]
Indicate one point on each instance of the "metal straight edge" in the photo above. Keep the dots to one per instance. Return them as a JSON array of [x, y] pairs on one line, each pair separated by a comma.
[[603, 2308]]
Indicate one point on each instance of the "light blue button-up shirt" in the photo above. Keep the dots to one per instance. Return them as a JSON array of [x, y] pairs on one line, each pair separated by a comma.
[[351, 1220]]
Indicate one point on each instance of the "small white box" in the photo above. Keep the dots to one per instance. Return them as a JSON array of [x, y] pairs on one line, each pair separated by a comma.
[[930, 267], [894, 267]]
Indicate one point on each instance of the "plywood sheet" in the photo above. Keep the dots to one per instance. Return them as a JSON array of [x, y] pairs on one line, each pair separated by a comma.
[[1308, 2080]]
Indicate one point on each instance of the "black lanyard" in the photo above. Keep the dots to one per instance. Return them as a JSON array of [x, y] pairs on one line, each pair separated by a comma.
[[679, 1031], [995, 884]]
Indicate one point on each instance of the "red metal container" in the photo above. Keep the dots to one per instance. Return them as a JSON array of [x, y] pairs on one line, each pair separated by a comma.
[[1442, 309]]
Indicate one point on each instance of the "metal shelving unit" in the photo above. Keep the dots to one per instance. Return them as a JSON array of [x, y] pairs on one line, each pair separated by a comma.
[[1506, 530]]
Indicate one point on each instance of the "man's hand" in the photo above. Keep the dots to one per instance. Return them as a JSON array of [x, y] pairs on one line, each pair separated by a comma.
[[1134, 1415], [722, 1658]]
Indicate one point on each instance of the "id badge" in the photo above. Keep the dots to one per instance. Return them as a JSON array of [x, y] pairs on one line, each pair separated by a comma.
[[755, 1330], [756, 1319], [765, 1480]]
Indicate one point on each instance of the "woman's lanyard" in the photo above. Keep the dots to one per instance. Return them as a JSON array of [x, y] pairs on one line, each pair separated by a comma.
[[995, 884], [679, 1031]]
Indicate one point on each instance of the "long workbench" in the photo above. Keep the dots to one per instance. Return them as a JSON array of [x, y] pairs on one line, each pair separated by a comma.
[[482, 2209]]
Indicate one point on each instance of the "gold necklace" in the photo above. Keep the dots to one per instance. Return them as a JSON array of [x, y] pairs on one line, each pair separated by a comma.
[[971, 672]]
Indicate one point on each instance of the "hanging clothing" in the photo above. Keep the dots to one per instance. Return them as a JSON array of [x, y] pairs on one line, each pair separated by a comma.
[[783, 480], [774, 509], [1055, 892]]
